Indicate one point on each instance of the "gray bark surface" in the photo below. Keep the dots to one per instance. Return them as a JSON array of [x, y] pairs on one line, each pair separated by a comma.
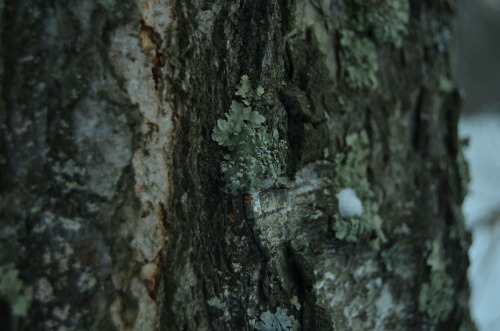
[[112, 212]]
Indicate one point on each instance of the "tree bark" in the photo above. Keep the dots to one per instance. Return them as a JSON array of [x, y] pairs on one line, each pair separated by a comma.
[[112, 209]]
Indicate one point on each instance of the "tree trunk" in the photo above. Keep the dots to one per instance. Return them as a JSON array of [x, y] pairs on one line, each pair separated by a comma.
[[113, 208]]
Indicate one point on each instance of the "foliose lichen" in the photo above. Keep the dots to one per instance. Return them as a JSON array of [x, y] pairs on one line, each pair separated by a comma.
[[386, 19], [436, 296], [351, 171], [13, 291], [255, 155], [361, 60], [278, 321]]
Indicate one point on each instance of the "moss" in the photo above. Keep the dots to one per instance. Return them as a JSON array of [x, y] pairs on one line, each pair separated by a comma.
[[436, 295], [12, 289], [351, 172], [254, 156], [386, 19], [361, 60]]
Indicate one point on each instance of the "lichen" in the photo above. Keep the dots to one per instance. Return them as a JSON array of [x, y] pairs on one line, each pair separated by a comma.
[[295, 302], [361, 60], [446, 85], [86, 281], [246, 92], [350, 229], [386, 19], [255, 156], [216, 303], [12, 290], [275, 322], [351, 172], [463, 168], [436, 295]]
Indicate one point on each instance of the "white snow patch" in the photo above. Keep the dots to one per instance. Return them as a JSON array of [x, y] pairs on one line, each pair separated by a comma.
[[480, 206], [349, 203], [483, 154]]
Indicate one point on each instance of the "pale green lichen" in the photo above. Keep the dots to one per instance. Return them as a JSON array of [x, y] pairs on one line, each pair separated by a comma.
[[386, 19], [436, 295], [295, 302], [216, 303], [351, 172], [86, 281], [361, 60], [13, 291], [278, 321], [446, 85], [463, 167], [254, 154], [458, 230], [246, 92]]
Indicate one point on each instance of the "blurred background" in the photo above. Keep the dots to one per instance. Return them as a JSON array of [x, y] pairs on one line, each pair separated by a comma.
[[477, 71]]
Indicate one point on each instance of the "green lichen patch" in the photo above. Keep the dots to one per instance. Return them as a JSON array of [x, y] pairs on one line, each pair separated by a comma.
[[361, 60], [246, 92], [351, 166], [463, 168], [446, 85], [279, 321], [351, 172], [386, 19], [350, 229], [255, 156], [436, 295], [12, 290]]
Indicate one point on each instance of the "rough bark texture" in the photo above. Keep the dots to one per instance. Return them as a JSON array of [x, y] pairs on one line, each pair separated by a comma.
[[111, 204]]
